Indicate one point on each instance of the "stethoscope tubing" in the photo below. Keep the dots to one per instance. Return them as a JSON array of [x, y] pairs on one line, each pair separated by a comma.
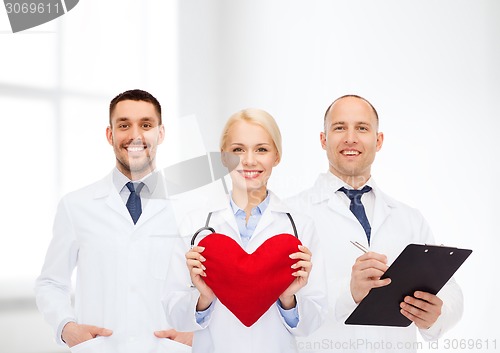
[[207, 228]]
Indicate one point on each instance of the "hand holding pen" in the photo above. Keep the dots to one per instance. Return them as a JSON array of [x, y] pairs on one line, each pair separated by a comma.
[[366, 273]]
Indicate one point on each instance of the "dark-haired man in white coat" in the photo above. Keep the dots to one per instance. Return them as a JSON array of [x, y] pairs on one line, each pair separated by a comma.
[[118, 233]]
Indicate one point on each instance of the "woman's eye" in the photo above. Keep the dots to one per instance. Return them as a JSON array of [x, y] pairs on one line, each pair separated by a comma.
[[237, 149], [262, 149]]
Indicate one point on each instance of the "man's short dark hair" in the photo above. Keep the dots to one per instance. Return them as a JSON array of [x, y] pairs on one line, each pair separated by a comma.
[[346, 96], [135, 95]]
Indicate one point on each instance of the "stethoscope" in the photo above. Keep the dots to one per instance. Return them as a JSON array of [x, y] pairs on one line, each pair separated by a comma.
[[206, 227]]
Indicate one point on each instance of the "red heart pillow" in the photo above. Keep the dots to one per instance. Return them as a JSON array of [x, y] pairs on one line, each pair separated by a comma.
[[248, 284]]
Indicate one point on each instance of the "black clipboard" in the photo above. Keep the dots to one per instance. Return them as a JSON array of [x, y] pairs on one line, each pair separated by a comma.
[[419, 267]]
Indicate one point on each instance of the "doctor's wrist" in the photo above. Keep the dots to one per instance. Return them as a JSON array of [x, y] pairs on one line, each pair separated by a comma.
[[288, 302], [66, 326], [204, 302]]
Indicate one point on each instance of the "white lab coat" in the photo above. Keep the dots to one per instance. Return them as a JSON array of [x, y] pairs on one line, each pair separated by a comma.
[[394, 226], [121, 269], [223, 332]]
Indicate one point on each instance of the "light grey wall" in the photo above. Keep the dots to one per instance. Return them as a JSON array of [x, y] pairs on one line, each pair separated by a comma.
[[429, 67]]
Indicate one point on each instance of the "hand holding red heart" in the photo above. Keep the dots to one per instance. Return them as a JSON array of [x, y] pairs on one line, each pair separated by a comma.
[[248, 284], [194, 261], [304, 266]]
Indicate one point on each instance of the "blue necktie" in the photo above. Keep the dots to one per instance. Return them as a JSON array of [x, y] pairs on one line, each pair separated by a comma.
[[358, 209], [134, 200]]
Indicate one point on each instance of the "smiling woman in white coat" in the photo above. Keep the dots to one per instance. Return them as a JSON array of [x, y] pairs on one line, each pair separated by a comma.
[[250, 215]]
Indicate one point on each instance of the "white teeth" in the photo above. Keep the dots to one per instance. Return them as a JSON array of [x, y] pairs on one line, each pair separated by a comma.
[[250, 174], [135, 149], [351, 153]]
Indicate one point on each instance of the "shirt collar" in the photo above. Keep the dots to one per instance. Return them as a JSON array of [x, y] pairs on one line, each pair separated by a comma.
[[260, 208], [335, 183], [120, 180]]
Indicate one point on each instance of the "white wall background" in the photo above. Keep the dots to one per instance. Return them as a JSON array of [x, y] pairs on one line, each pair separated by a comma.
[[430, 68]]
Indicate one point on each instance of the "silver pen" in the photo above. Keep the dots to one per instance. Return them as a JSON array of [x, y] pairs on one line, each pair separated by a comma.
[[359, 246]]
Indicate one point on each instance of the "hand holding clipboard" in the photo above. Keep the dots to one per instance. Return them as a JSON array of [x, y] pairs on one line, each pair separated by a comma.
[[424, 268]]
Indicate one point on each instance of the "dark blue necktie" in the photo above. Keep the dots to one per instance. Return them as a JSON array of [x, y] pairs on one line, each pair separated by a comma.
[[134, 200], [357, 207]]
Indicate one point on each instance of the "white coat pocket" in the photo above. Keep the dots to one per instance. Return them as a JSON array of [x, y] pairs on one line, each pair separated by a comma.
[[95, 345], [174, 347], [160, 250]]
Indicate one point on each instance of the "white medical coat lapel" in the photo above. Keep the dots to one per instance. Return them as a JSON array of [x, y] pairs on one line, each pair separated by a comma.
[[394, 225], [111, 247], [223, 332], [381, 211], [113, 199], [222, 210]]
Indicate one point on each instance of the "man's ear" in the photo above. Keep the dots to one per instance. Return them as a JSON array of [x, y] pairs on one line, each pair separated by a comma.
[[380, 140], [109, 135], [161, 133], [322, 139]]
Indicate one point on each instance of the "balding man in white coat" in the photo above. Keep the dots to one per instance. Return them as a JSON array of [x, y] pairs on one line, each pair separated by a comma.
[[351, 140]]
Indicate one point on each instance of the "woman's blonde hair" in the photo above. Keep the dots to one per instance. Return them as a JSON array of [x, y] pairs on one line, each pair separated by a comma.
[[254, 116]]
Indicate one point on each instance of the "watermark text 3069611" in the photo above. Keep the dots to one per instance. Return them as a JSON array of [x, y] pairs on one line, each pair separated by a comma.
[[25, 14]]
